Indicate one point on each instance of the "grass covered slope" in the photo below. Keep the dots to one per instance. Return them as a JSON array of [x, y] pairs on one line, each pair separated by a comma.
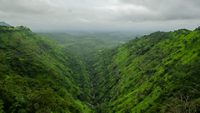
[[37, 76], [157, 73]]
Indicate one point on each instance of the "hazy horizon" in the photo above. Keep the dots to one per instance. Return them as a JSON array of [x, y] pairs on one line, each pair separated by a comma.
[[105, 15]]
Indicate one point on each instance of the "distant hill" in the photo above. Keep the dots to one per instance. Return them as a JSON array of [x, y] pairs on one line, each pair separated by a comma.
[[4, 24], [86, 44]]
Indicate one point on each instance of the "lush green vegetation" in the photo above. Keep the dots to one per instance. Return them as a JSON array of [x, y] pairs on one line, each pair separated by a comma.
[[156, 73], [38, 76]]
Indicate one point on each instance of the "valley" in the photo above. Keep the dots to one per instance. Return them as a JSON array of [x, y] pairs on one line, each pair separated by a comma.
[[99, 72]]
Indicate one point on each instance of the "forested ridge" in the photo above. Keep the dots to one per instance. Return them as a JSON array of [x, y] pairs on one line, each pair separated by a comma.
[[155, 73], [38, 76]]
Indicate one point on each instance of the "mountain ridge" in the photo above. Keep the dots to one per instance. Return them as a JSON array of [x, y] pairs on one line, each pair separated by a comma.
[[156, 73], [151, 74], [37, 76], [4, 24]]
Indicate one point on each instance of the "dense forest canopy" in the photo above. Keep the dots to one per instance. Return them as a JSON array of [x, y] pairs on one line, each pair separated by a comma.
[[155, 73]]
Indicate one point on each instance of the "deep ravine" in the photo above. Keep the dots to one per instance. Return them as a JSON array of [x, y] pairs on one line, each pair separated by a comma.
[[156, 73]]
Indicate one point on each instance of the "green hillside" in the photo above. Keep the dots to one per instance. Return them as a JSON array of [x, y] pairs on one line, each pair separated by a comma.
[[65, 73], [157, 73], [38, 76]]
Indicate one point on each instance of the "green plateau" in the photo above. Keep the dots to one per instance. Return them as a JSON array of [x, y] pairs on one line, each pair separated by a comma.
[[99, 72]]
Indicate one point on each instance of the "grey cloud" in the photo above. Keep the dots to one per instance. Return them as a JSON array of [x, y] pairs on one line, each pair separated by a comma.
[[99, 14], [168, 9], [25, 6]]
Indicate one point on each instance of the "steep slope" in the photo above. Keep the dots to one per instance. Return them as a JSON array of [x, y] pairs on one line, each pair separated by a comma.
[[157, 73], [37, 76]]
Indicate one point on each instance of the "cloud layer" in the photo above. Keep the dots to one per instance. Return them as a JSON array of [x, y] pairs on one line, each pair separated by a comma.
[[101, 14]]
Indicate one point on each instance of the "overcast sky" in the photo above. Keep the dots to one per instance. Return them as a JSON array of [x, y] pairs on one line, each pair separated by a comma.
[[134, 15]]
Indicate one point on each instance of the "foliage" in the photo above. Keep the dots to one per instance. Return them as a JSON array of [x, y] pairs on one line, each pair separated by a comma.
[[157, 73], [38, 76]]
